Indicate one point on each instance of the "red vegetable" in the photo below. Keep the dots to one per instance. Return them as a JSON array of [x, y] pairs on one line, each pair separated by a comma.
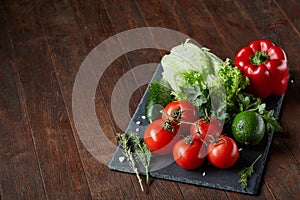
[[160, 136], [223, 153], [206, 128], [189, 153], [181, 111], [266, 67]]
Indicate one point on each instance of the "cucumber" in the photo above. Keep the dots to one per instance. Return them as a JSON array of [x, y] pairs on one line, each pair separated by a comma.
[[158, 97]]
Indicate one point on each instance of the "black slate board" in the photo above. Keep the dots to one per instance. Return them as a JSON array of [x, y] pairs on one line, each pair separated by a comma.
[[206, 175]]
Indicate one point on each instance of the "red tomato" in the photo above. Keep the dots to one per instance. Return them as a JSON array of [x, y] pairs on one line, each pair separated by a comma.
[[160, 140], [206, 126], [189, 154], [188, 113], [224, 153]]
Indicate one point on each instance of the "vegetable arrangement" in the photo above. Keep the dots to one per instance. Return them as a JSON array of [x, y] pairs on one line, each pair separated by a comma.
[[203, 108]]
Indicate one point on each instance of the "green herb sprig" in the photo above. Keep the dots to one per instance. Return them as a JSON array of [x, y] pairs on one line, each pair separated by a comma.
[[142, 152], [246, 173], [133, 144], [248, 102], [124, 141]]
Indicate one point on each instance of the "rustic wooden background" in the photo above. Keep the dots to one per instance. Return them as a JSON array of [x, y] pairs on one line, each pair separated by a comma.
[[42, 45]]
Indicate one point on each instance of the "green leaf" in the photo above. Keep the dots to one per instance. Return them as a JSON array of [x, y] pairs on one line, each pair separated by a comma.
[[158, 97], [246, 173], [261, 108], [271, 122]]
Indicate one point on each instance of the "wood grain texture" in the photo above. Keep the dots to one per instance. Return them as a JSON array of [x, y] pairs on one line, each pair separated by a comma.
[[58, 157], [42, 46], [19, 166]]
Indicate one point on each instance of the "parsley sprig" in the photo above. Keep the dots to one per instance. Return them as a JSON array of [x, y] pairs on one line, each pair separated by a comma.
[[246, 173], [248, 102]]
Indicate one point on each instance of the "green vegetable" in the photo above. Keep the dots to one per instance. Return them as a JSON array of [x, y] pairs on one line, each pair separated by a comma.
[[191, 73], [234, 82], [159, 96], [195, 91], [246, 173], [185, 58]]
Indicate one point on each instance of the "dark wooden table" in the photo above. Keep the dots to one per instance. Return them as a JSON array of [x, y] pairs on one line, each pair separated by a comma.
[[42, 46]]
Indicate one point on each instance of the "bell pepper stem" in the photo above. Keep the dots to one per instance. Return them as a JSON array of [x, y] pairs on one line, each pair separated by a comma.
[[259, 58]]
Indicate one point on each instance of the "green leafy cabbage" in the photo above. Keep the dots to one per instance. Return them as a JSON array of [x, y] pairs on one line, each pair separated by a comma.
[[185, 58], [191, 72]]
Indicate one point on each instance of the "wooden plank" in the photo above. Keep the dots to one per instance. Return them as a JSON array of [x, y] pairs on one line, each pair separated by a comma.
[[20, 176], [291, 12], [282, 172], [69, 45], [197, 24], [290, 116], [231, 22], [131, 19], [58, 157]]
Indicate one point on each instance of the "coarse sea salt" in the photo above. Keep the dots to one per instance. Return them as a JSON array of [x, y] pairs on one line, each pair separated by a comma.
[[121, 159]]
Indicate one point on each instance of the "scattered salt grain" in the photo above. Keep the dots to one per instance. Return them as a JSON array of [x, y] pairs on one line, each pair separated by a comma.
[[121, 159], [240, 149], [137, 129], [292, 81], [203, 174], [143, 117], [138, 122]]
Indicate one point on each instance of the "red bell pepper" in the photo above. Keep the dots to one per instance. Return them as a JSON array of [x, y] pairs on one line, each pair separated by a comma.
[[266, 67]]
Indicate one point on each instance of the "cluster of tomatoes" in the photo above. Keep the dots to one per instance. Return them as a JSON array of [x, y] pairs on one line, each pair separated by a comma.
[[189, 138]]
